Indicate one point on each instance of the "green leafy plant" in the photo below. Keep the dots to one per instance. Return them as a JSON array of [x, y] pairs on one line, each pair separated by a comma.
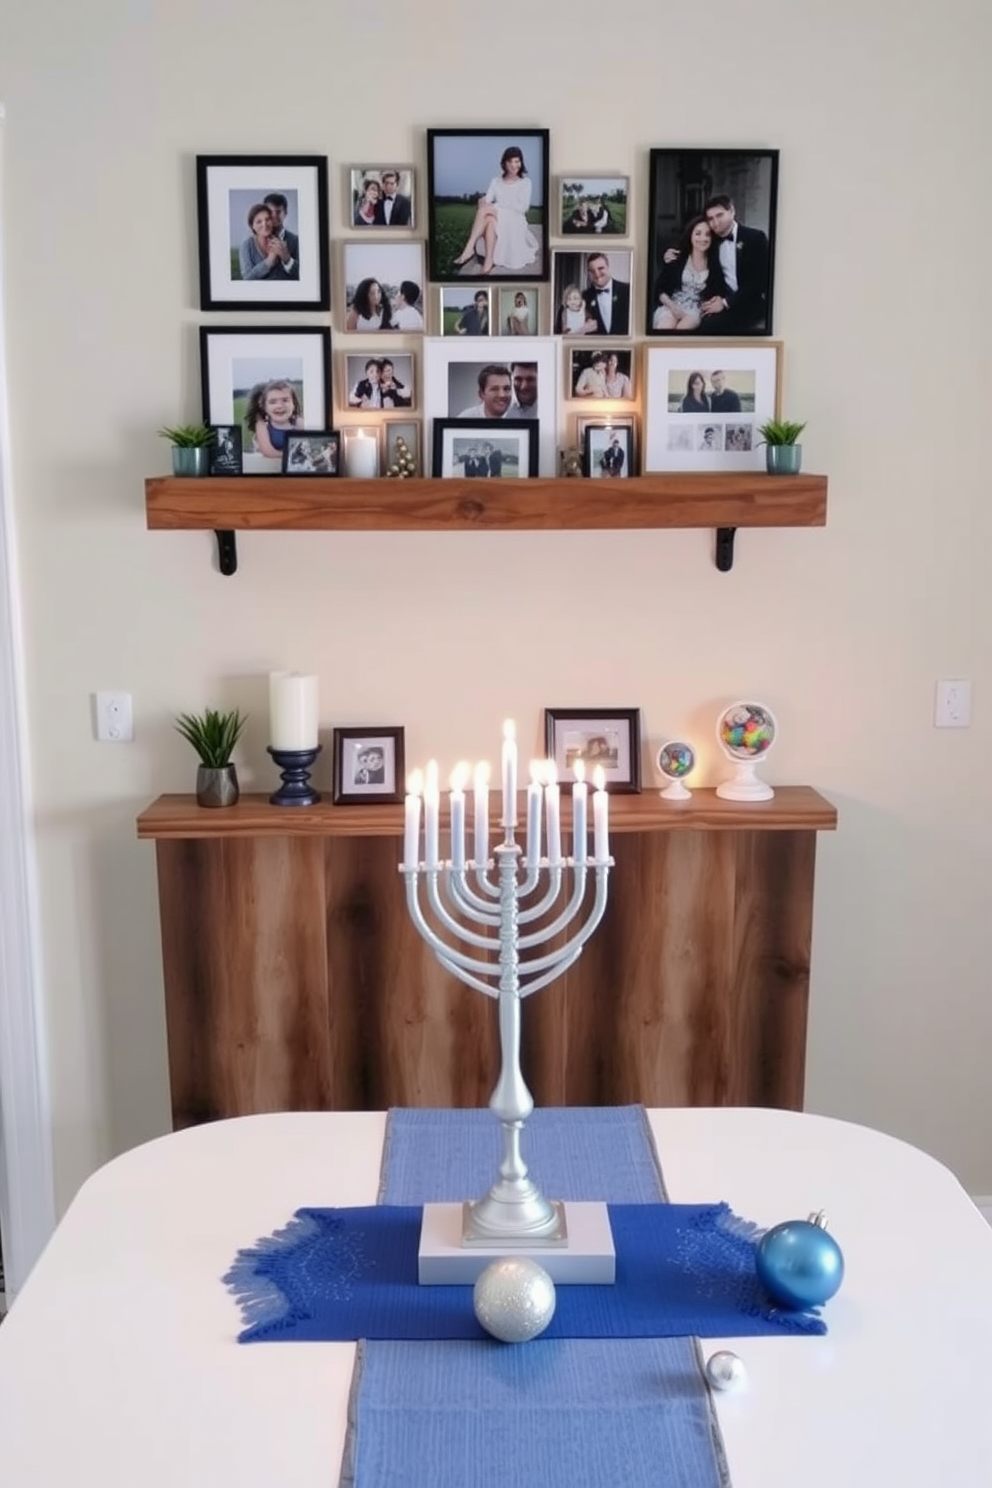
[[780, 431], [212, 734], [188, 436]]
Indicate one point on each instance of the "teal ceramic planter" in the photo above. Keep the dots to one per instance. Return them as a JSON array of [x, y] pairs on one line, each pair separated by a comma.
[[783, 459], [195, 461]]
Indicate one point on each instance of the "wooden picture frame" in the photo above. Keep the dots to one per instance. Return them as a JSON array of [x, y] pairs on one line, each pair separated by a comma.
[[385, 193], [610, 737], [706, 401]]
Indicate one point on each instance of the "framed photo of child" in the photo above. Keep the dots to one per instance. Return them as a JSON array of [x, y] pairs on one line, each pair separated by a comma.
[[271, 382], [591, 292]]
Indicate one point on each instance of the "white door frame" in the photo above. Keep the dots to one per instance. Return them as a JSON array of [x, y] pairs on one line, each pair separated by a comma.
[[27, 1201]]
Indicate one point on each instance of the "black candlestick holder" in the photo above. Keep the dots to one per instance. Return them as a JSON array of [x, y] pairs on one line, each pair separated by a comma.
[[295, 765]]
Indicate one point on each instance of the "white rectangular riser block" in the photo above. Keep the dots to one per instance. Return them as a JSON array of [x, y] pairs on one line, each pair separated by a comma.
[[589, 1258]]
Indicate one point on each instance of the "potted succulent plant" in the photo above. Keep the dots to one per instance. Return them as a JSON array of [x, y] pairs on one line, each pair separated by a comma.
[[783, 453], [213, 735], [190, 448]]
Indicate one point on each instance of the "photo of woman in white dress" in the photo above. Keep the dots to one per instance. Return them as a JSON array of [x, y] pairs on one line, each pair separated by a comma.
[[488, 205], [501, 219]]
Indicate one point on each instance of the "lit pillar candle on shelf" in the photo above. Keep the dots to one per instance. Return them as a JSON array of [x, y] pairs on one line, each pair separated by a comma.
[[579, 792], [361, 455], [411, 822], [552, 801], [481, 804], [432, 812], [292, 711], [509, 773], [535, 803], [600, 815], [456, 802]]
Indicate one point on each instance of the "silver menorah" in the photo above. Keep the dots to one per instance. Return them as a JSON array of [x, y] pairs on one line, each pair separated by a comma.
[[499, 898]]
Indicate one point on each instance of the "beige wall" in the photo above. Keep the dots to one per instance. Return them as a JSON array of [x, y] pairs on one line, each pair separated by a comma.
[[882, 126]]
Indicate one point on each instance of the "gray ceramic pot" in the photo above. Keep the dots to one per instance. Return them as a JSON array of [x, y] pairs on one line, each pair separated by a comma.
[[195, 461], [783, 459], [217, 786]]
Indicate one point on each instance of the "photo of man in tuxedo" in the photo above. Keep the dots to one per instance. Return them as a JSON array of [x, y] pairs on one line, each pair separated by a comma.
[[392, 209], [607, 299]]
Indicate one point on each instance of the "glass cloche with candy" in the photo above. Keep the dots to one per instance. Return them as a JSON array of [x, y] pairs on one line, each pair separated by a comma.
[[745, 732], [676, 760]]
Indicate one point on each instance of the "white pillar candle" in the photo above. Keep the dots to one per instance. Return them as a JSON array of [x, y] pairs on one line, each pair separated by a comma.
[[411, 822], [552, 802], [432, 811], [600, 815], [480, 801], [456, 802], [579, 792], [292, 711], [361, 455], [509, 773], [535, 802]]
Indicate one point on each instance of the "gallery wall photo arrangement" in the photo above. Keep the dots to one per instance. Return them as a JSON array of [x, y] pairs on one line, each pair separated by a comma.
[[591, 291], [381, 196], [711, 242], [706, 401], [263, 232], [590, 206], [499, 378], [368, 764], [610, 737], [271, 381], [383, 285], [503, 449], [487, 204]]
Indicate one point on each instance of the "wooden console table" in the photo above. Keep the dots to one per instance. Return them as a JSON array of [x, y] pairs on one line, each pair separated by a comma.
[[294, 979]]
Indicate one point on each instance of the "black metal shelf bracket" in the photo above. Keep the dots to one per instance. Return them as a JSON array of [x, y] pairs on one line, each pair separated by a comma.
[[725, 548], [227, 552]]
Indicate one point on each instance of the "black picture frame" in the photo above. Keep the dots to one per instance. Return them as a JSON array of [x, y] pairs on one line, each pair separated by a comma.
[[349, 745], [508, 441], [228, 187], [598, 443], [462, 165], [312, 452], [682, 185], [233, 365], [610, 737], [226, 450]]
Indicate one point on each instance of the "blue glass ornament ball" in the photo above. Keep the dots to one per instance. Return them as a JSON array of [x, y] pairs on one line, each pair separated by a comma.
[[799, 1264]]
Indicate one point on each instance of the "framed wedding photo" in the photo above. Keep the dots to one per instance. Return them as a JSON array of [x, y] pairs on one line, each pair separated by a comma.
[[610, 737], [487, 204], [599, 372], [270, 381], [607, 451], [381, 196], [504, 449], [315, 453], [500, 378], [591, 292], [263, 232], [590, 206], [706, 402], [368, 765], [711, 242], [383, 285]]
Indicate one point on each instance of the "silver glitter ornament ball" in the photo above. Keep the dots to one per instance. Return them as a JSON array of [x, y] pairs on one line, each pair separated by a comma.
[[724, 1370], [514, 1299]]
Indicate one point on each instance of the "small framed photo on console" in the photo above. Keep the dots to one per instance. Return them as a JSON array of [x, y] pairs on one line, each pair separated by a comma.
[[368, 765]]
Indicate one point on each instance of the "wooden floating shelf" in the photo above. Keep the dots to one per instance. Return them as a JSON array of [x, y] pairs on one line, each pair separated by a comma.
[[296, 503], [792, 808]]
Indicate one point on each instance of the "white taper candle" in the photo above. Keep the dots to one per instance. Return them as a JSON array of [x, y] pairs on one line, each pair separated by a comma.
[[509, 773], [535, 803], [600, 815], [552, 801], [456, 803], [579, 793], [411, 820], [432, 812], [480, 847]]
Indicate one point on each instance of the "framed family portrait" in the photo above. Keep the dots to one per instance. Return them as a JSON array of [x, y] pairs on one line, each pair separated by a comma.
[[590, 206], [504, 450], [502, 379], [610, 737], [383, 382], [383, 285], [711, 242], [368, 765], [316, 453], [705, 403], [487, 204], [226, 449], [270, 382], [600, 372], [466, 310], [591, 292], [263, 232], [519, 311], [607, 451], [381, 196]]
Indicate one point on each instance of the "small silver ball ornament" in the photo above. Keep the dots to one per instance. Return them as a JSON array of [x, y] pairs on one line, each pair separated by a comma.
[[725, 1370], [514, 1299]]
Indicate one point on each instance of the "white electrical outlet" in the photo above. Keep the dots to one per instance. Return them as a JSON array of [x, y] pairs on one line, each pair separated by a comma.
[[952, 708], [113, 719]]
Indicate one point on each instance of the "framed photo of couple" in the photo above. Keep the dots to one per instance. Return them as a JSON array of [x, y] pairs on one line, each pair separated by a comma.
[[706, 402], [711, 242], [263, 232], [381, 196], [488, 204], [368, 764], [505, 449]]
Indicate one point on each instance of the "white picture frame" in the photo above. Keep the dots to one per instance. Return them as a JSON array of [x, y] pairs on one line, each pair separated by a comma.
[[709, 439], [450, 368]]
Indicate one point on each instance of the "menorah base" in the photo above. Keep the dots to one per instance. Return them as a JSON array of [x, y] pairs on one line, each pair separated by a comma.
[[587, 1258]]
